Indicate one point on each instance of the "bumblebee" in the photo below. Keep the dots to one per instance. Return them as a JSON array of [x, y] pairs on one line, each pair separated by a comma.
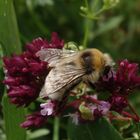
[[69, 68]]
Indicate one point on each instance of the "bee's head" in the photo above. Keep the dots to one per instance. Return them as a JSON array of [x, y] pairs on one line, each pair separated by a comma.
[[95, 63], [92, 60]]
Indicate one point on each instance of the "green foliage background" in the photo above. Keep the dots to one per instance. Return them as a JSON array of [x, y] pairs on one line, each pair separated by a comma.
[[117, 32]]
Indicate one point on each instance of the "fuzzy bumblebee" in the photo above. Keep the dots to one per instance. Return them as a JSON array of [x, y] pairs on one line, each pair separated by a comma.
[[69, 68]]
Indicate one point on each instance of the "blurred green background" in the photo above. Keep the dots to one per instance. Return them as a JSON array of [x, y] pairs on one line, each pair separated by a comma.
[[117, 32]]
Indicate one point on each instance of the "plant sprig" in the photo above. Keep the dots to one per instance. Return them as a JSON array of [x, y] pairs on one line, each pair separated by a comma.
[[94, 15]]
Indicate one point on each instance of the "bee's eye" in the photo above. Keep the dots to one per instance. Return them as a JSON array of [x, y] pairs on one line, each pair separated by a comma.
[[87, 58], [106, 70], [87, 62]]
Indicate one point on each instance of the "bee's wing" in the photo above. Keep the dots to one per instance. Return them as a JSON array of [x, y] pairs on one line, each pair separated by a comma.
[[61, 77], [53, 56]]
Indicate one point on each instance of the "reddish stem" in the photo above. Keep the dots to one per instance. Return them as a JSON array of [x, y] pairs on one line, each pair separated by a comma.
[[130, 116], [132, 109], [74, 104], [93, 100], [113, 117]]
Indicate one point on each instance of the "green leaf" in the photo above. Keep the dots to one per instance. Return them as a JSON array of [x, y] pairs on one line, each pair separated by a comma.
[[38, 133], [131, 139], [13, 117], [10, 43], [109, 25], [99, 130], [1, 72], [9, 35]]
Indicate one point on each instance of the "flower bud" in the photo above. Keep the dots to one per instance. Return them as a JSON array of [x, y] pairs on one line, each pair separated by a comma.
[[86, 112], [118, 102], [84, 9]]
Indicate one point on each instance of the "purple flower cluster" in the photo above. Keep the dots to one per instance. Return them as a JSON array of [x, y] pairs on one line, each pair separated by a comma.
[[120, 84], [25, 75], [88, 108]]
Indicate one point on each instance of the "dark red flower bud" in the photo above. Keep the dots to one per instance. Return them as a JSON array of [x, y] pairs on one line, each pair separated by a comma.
[[127, 77], [24, 94], [39, 43], [118, 102], [36, 45], [15, 65], [25, 73], [123, 81], [97, 113], [56, 42], [38, 68], [34, 120], [107, 82]]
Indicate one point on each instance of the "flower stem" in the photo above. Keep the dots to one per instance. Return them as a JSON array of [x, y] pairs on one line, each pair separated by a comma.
[[93, 100], [86, 33], [130, 116], [86, 4], [85, 41], [132, 109], [114, 117], [100, 11], [56, 129]]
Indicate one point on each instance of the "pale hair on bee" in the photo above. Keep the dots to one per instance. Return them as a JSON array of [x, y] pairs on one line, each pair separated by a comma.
[[69, 68]]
